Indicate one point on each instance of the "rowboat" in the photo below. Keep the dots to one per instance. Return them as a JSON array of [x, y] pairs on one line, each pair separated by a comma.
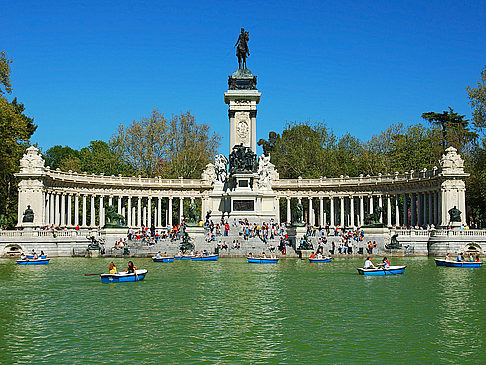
[[205, 258], [450, 263], [262, 260], [123, 276], [185, 257], [317, 261], [33, 262], [163, 259], [391, 270]]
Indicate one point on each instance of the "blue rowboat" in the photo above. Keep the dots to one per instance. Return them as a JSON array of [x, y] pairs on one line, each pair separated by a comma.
[[262, 260], [123, 277], [317, 261], [163, 259], [466, 264], [392, 270], [33, 262], [185, 257], [32, 256], [205, 258]]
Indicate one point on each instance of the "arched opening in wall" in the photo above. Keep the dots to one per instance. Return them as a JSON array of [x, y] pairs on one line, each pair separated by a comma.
[[12, 250], [472, 249]]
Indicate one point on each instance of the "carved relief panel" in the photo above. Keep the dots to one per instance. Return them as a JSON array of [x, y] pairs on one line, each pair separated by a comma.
[[243, 128]]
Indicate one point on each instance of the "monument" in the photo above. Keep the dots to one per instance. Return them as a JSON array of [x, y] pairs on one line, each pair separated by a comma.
[[242, 184]]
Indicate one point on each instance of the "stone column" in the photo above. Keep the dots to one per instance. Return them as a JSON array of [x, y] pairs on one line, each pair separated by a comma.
[[102, 212], [84, 212], [52, 205], [426, 202], [351, 208], [311, 214], [289, 213], [277, 208], [413, 209], [144, 216], [405, 210], [321, 211], [181, 209], [380, 204], [371, 208], [93, 213], [159, 212], [361, 210], [325, 211], [63, 209], [341, 223], [129, 211], [56, 211], [69, 212], [149, 211], [420, 213], [47, 211], [331, 213], [76, 209], [169, 212], [397, 211], [388, 211], [139, 212], [110, 200], [119, 208], [436, 209]]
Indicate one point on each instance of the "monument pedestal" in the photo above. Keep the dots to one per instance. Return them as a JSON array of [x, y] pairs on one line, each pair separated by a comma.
[[295, 235]]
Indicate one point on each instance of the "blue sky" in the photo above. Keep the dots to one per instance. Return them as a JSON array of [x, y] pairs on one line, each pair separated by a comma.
[[83, 67]]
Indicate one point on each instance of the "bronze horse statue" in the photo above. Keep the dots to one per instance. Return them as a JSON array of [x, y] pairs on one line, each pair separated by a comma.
[[242, 50]]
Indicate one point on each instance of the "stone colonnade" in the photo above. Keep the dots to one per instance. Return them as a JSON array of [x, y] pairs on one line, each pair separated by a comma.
[[404, 209], [70, 209]]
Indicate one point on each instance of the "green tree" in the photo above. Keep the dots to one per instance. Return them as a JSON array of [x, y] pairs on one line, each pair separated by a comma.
[[99, 158], [171, 148], [55, 155], [15, 131], [477, 99]]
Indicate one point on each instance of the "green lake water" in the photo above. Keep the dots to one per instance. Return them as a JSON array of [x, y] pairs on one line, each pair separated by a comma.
[[234, 312]]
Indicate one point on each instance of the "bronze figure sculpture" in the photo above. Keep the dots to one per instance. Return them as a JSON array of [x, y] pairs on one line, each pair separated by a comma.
[[242, 50]]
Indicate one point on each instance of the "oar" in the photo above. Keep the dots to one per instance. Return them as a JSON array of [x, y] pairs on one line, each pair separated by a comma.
[[92, 274]]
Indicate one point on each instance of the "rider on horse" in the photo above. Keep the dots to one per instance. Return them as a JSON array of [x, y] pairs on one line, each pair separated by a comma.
[[242, 50]]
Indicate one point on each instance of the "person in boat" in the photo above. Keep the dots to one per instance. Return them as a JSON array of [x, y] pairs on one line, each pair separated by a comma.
[[250, 255], [460, 257], [22, 256], [448, 257], [158, 256], [477, 258], [312, 255], [385, 264], [369, 264], [179, 253], [112, 268], [35, 256], [131, 267], [263, 255], [471, 257], [165, 254], [319, 256]]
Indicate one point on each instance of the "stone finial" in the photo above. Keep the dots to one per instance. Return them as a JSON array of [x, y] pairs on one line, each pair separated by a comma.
[[452, 162], [32, 161]]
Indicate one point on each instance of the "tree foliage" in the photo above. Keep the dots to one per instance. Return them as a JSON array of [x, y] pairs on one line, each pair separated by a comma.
[[477, 99], [167, 147], [5, 73]]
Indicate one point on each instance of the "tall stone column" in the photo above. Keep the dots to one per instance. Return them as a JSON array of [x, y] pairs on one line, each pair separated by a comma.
[[119, 207], [159, 212], [397, 211], [57, 215], [110, 200], [325, 212], [149, 211], [102, 212], [139, 212], [413, 209], [289, 212], [341, 223], [331, 213], [351, 208], [76, 210], [436, 208], [129, 211], [420, 212], [361, 210], [181, 209], [144, 216], [169, 211], [405, 210], [321, 211], [93, 212], [372, 209], [84, 212], [380, 204], [277, 208], [431, 208], [388, 211], [69, 212], [63, 209], [311, 213], [48, 204]]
